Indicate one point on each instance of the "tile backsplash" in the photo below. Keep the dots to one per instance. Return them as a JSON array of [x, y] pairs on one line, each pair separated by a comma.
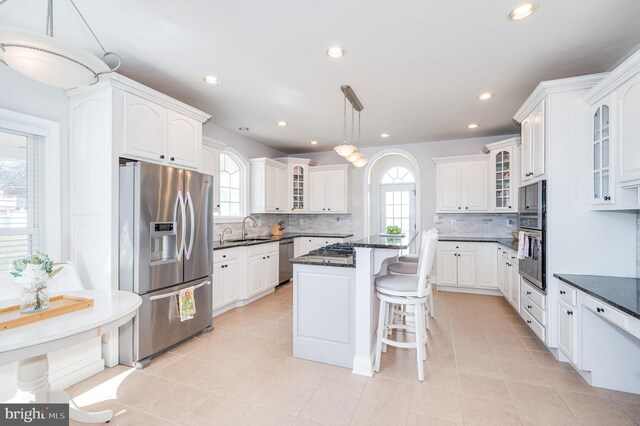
[[337, 224], [477, 225]]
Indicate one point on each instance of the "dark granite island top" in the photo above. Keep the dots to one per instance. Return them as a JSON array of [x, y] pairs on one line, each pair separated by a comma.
[[619, 292], [385, 241], [325, 260], [263, 239], [510, 243]]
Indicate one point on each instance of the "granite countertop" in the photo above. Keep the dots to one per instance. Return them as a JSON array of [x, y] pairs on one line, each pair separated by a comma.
[[252, 240], [325, 260], [619, 292], [510, 243], [385, 242]]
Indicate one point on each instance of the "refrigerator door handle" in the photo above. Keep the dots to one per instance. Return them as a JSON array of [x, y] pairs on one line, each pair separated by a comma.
[[193, 225], [183, 214], [175, 293]]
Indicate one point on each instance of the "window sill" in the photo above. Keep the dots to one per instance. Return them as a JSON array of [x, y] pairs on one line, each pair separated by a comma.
[[227, 219]]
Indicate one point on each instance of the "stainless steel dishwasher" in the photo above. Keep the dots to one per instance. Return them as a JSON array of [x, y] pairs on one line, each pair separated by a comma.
[[286, 253]]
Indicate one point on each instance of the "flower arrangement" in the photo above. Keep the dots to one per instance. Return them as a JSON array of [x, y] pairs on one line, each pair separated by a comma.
[[33, 269]]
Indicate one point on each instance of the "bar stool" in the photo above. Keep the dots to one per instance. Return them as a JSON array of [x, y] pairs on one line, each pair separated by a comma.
[[406, 291]]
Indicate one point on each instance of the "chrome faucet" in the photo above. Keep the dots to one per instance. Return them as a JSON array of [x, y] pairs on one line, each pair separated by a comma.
[[244, 229], [222, 235]]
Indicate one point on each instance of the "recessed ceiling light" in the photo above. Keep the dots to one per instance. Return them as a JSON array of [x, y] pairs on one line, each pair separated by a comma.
[[282, 123], [314, 142], [384, 135], [211, 79], [336, 52], [243, 129], [485, 96], [473, 126], [522, 11]]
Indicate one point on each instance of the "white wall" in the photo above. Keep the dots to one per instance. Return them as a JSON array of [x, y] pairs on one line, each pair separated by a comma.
[[245, 146], [26, 96], [423, 152]]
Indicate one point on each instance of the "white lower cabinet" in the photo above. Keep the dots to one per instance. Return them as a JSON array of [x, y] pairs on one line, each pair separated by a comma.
[[509, 277], [567, 331], [487, 265], [241, 273], [533, 309], [262, 268], [226, 277], [456, 264]]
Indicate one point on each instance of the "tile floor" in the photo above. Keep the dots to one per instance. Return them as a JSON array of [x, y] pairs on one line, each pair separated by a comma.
[[484, 366]]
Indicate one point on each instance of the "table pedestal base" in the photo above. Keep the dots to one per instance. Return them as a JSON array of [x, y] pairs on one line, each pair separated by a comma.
[[33, 377]]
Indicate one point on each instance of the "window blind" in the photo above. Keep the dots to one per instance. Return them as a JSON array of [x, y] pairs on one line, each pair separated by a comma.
[[22, 196]]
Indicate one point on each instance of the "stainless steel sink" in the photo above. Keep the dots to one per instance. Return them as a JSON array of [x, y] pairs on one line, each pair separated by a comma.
[[247, 240]]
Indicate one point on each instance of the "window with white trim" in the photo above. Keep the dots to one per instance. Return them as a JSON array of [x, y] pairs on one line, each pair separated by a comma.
[[397, 198], [232, 186], [22, 196]]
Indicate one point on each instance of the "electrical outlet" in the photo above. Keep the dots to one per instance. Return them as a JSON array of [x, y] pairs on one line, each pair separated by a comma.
[[339, 220], [436, 219], [510, 223], [453, 223], [301, 221]]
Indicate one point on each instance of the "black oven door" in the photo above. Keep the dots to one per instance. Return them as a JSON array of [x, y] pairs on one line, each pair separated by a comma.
[[531, 267]]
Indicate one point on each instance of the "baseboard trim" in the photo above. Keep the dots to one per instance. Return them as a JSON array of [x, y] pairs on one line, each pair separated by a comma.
[[241, 303], [470, 290]]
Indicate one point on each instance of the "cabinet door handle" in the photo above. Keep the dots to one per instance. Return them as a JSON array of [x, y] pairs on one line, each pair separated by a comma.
[[329, 209], [562, 292], [569, 312], [173, 159], [600, 309], [162, 157], [529, 307], [607, 198], [459, 208], [529, 293], [277, 208], [263, 257], [224, 255], [528, 321], [268, 257], [509, 206]]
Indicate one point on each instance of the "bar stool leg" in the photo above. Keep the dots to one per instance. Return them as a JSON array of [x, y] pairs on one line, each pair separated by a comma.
[[380, 333], [420, 349]]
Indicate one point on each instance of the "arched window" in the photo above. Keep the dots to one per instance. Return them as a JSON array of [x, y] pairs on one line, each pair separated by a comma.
[[397, 175], [232, 186]]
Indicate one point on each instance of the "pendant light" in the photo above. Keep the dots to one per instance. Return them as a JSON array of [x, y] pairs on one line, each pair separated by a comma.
[[345, 148], [360, 160], [52, 61]]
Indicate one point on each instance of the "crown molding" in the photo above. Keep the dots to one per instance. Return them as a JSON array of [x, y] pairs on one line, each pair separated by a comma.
[[501, 144], [461, 158], [546, 88], [620, 75]]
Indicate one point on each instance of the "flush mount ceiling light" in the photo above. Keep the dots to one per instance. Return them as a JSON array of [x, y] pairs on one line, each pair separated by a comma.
[[523, 11], [314, 142], [52, 61], [211, 79], [282, 123], [336, 52], [485, 96], [473, 126], [384, 135]]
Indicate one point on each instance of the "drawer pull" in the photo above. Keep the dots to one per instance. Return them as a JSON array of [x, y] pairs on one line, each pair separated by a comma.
[[599, 309], [562, 292], [528, 321], [529, 293], [569, 312], [529, 307]]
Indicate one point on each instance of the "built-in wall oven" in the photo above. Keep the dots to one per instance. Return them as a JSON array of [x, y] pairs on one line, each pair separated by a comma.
[[532, 223]]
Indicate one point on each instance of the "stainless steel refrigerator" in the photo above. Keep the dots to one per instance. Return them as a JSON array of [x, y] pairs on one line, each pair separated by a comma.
[[166, 245]]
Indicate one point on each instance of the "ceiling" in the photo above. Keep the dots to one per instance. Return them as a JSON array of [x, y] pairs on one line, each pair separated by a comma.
[[417, 66]]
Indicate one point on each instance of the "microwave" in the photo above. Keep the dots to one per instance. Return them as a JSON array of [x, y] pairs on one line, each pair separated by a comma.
[[532, 207]]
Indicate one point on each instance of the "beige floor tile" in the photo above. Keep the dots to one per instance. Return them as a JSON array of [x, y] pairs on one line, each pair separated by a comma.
[[265, 417], [209, 375], [439, 377], [285, 397], [121, 413], [534, 344], [443, 404], [187, 347], [542, 418], [519, 371], [483, 386], [417, 419], [376, 414], [248, 386], [478, 364], [328, 407], [99, 379], [523, 331], [178, 369], [139, 389], [547, 360], [632, 409], [481, 411], [173, 401], [397, 369], [624, 396], [571, 381], [591, 407], [537, 401], [342, 380], [513, 352], [161, 362], [216, 410], [144, 419], [299, 371], [387, 391]]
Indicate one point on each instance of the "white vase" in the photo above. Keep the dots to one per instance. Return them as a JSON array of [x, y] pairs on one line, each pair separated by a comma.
[[34, 298]]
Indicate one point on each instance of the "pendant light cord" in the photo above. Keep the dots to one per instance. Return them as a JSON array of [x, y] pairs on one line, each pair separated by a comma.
[[50, 18], [104, 51]]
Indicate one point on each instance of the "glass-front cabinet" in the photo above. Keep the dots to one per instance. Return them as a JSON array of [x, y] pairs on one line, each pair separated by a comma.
[[298, 180], [601, 149], [297, 184], [504, 173]]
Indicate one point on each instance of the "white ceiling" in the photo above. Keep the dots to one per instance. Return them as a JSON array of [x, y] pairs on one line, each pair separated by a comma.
[[417, 66]]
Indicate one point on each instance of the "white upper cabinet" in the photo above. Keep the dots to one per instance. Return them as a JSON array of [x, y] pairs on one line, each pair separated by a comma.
[[328, 189], [462, 184], [504, 175], [145, 129], [157, 129], [533, 144], [297, 184], [268, 186], [614, 141]]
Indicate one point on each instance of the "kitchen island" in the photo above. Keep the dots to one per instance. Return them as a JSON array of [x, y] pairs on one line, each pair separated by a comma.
[[335, 307]]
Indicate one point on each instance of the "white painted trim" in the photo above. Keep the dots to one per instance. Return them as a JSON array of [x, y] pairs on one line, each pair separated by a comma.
[[50, 130], [546, 88], [123, 83], [417, 173], [459, 158], [78, 374], [245, 187], [206, 140], [470, 290], [501, 144], [611, 81]]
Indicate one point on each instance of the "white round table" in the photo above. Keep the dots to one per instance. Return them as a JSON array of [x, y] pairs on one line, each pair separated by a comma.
[[29, 344]]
